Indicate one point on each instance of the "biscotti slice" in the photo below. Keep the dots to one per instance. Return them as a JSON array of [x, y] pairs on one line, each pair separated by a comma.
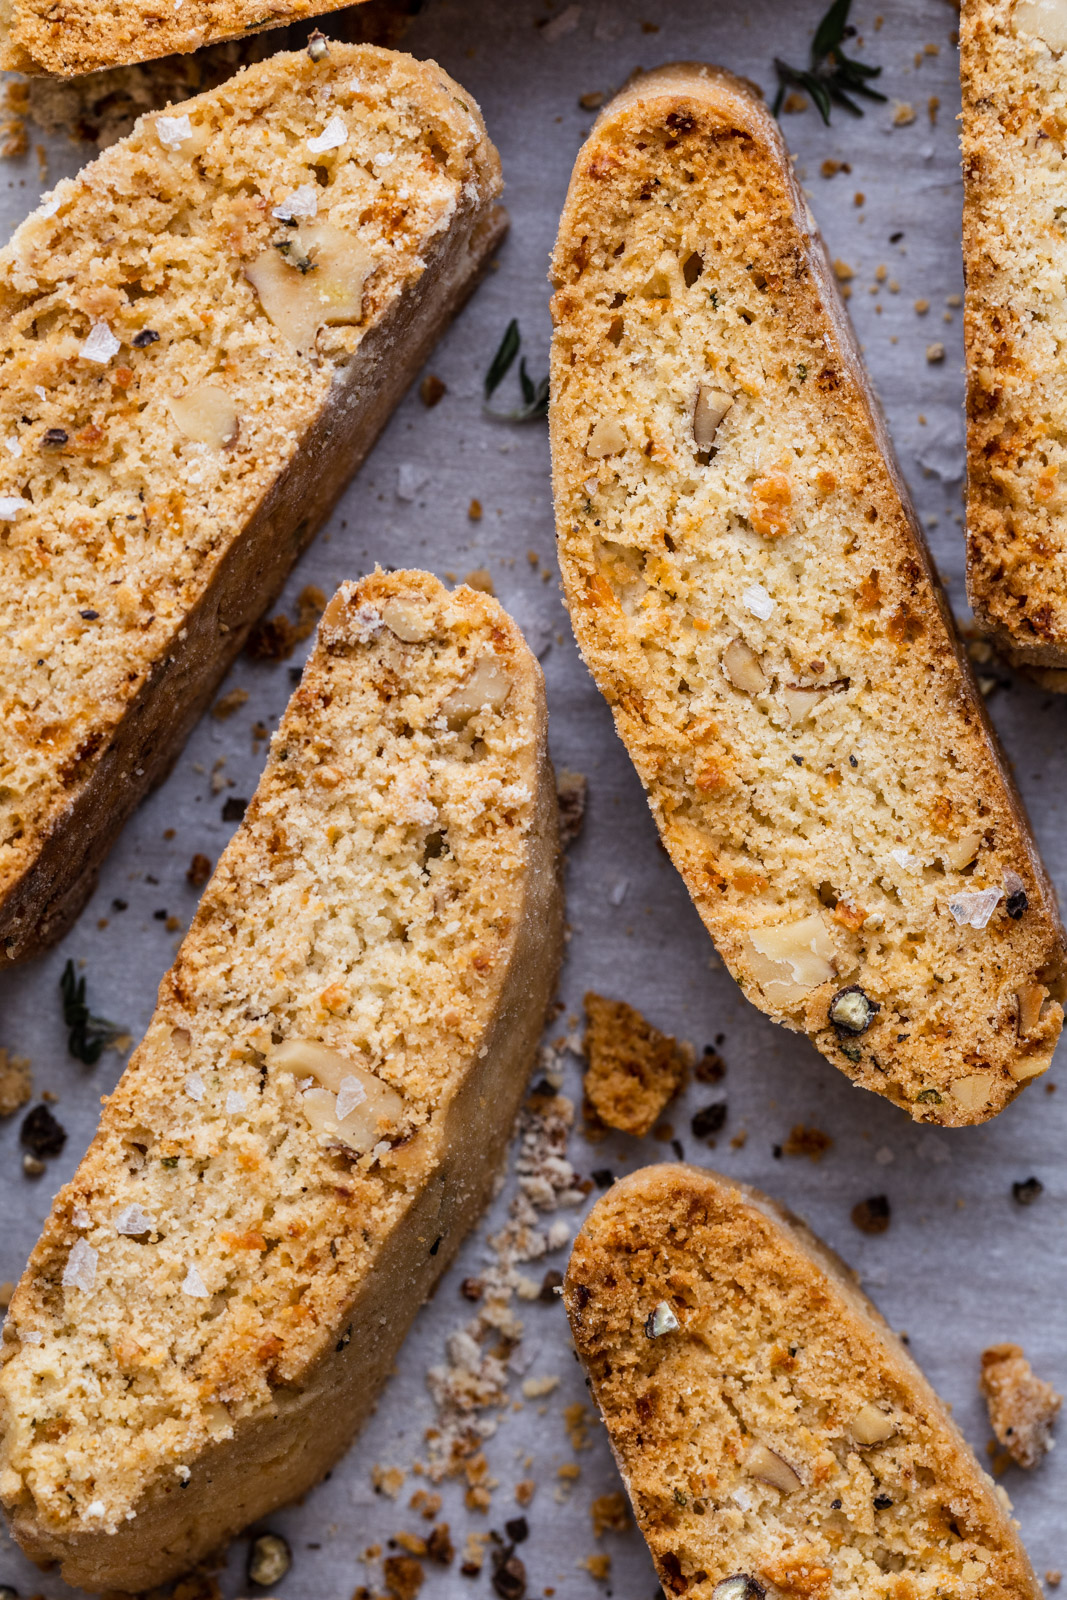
[[317, 1112], [71, 37], [750, 588], [774, 1435], [1014, 78], [202, 336]]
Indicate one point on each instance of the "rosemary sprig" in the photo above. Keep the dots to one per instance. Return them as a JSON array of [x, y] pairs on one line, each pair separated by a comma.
[[87, 1035], [534, 395], [832, 78]]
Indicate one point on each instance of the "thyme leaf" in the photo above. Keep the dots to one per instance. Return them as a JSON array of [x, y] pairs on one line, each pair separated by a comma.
[[87, 1035], [534, 395], [831, 78]]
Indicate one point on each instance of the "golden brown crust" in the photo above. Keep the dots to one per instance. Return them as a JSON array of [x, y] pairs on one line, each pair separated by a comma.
[[81, 36], [780, 1430], [393, 895], [759, 609], [74, 772], [1013, 132]]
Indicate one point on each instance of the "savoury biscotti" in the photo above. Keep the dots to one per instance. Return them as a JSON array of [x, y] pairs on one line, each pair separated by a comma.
[[747, 582], [202, 335], [318, 1109], [65, 38], [1013, 70], [774, 1435]]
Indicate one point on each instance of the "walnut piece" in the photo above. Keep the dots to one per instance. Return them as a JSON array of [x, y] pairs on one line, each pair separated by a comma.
[[789, 959], [314, 276], [488, 685], [607, 439], [711, 407], [769, 1467], [1045, 20], [351, 1106], [871, 1426], [741, 665], [409, 620], [206, 414]]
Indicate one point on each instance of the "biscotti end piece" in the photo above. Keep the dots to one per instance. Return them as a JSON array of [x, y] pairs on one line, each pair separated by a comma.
[[1013, 129], [748, 583], [1022, 1406], [82, 36], [182, 409], [317, 1112], [633, 1069], [767, 1423]]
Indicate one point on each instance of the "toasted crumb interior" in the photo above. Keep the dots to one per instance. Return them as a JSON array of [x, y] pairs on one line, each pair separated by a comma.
[[369, 903], [779, 1431], [746, 585], [1014, 73], [125, 480]]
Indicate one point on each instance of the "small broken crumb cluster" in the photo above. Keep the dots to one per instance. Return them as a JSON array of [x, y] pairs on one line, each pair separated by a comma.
[[633, 1069], [1022, 1407]]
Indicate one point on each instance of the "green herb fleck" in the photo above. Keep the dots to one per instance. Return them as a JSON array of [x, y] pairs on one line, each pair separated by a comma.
[[170, 1161], [802, 371], [534, 395], [86, 1035], [928, 1097], [831, 77], [714, 293], [852, 1052], [679, 1498]]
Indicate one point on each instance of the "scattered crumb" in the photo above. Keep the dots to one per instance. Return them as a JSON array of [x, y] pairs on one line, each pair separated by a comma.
[[474, 1554], [598, 1565], [922, 307], [570, 1472], [7, 1289], [933, 106], [439, 1546], [413, 1544], [794, 102], [810, 1142], [872, 1215], [275, 638], [610, 1514], [432, 390], [904, 115], [591, 102], [1022, 1407], [388, 1480], [935, 353], [480, 579], [633, 1069], [474, 511], [425, 1503], [14, 106], [227, 704], [1053, 1577], [537, 1388], [572, 792], [404, 1576], [16, 1083], [576, 1422], [199, 871], [842, 271], [739, 1140]]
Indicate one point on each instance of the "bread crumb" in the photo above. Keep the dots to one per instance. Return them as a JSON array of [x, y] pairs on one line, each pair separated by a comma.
[[794, 102], [227, 704], [598, 1565], [575, 1420], [842, 271], [474, 511], [425, 1503], [525, 1490], [1022, 1407], [811, 1142], [275, 638], [904, 115], [388, 1480], [935, 353], [633, 1069], [536, 1388], [404, 1576], [16, 1083], [7, 1289], [1053, 1577], [432, 390], [480, 579], [572, 790], [610, 1514]]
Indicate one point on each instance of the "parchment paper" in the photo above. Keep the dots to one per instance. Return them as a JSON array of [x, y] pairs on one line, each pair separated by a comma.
[[962, 1264]]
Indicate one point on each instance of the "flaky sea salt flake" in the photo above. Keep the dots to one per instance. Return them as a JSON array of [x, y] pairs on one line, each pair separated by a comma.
[[905, 859], [194, 1086], [101, 345], [335, 133], [350, 1095], [235, 1103], [132, 1221], [80, 1217], [194, 1285], [974, 910], [11, 505], [80, 1270], [172, 132], [756, 599], [300, 206]]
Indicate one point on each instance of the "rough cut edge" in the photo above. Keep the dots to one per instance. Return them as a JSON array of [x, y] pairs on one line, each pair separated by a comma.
[[827, 1275], [39, 907], [164, 42], [740, 101], [278, 1455]]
